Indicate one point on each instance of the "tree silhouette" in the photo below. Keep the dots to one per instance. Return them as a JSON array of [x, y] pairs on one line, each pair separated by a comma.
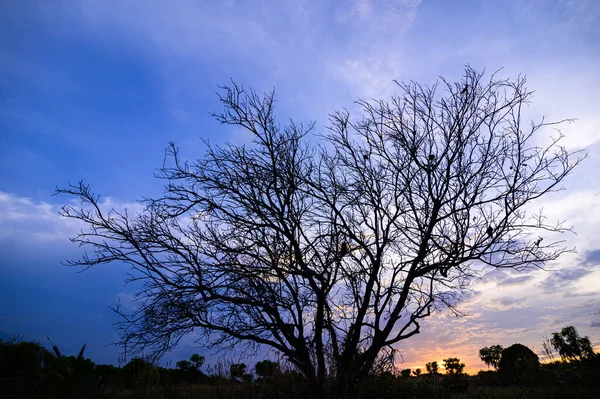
[[453, 366], [267, 368], [197, 361], [183, 365], [517, 363], [570, 345], [491, 355], [237, 371], [405, 373], [319, 252], [432, 368]]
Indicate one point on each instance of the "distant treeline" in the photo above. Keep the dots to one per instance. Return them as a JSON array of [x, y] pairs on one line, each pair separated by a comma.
[[29, 370]]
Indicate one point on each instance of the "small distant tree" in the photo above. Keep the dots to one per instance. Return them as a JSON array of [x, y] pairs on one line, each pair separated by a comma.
[[491, 355], [405, 373], [453, 366], [432, 368], [267, 368], [417, 372], [197, 361], [237, 371], [571, 346]]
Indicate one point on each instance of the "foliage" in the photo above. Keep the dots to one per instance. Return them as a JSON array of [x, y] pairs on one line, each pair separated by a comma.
[[417, 372], [237, 371], [28, 370], [191, 366], [452, 365], [330, 252], [197, 361], [570, 346], [183, 365], [140, 374], [491, 355], [267, 368], [432, 368], [405, 373], [518, 364]]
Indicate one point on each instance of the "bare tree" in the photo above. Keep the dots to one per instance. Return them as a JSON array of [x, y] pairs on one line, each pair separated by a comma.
[[331, 248]]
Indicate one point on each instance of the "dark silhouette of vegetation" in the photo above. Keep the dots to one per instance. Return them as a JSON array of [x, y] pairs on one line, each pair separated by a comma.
[[432, 368], [518, 364], [491, 355], [570, 346], [28, 370], [333, 251], [547, 349], [237, 371], [140, 374], [452, 365], [267, 368]]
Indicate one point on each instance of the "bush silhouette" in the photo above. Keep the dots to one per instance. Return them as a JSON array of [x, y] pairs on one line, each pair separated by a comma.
[[139, 374], [432, 368], [518, 364], [267, 368]]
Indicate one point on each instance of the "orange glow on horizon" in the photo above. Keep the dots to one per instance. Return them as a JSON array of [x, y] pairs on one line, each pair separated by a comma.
[[472, 364]]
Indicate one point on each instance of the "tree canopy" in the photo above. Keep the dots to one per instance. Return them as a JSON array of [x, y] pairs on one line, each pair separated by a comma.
[[332, 247], [491, 355], [571, 346]]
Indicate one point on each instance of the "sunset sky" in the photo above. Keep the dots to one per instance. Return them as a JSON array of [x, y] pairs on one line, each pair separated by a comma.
[[96, 89]]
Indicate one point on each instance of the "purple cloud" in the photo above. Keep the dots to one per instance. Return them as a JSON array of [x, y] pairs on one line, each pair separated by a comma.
[[564, 278], [515, 280]]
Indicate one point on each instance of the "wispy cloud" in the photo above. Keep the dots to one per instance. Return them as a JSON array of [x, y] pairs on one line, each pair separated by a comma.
[[27, 220]]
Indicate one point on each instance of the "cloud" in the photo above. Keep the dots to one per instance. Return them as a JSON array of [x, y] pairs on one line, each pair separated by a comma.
[[505, 278], [592, 258], [506, 303], [27, 220], [560, 280], [564, 278], [595, 324], [22, 218], [322, 54], [515, 280]]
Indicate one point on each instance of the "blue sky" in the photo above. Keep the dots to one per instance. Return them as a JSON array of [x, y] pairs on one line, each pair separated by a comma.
[[95, 89]]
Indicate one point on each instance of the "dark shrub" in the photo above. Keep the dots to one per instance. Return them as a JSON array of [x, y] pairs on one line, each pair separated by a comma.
[[518, 365]]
